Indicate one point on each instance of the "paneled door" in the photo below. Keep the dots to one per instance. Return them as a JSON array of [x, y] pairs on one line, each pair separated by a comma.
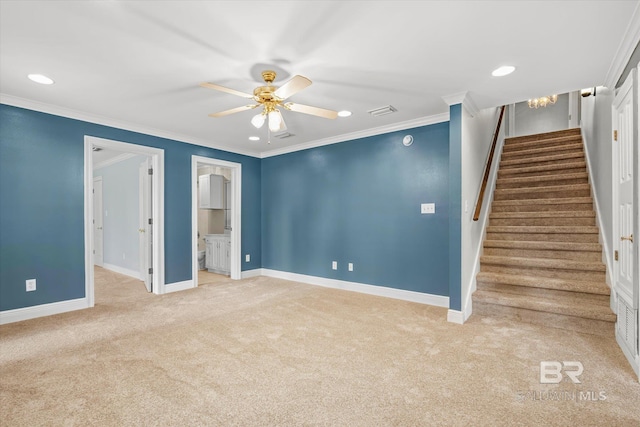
[[145, 229], [625, 137]]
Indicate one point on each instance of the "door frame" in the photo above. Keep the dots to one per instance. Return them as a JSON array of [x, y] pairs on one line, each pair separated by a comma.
[[96, 179], [236, 213], [157, 161], [144, 213]]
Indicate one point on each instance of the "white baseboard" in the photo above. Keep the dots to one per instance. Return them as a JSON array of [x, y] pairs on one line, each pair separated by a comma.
[[20, 314], [122, 270], [419, 297], [178, 286], [252, 273], [455, 316]]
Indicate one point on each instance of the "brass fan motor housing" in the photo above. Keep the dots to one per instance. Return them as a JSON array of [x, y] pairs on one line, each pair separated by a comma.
[[264, 94]]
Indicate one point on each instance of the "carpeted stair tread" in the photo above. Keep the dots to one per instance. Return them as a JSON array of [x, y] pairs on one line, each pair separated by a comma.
[[563, 229], [558, 246], [539, 170], [532, 152], [525, 181], [549, 214], [556, 201], [544, 192], [513, 146], [543, 263], [568, 285], [567, 306], [543, 136], [519, 162]]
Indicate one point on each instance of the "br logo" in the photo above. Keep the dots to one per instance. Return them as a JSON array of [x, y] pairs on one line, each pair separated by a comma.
[[551, 371]]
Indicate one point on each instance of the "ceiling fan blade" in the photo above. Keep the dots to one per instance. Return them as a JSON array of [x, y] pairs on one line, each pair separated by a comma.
[[233, 110], [227, 90], [314, 111], [295, 85]]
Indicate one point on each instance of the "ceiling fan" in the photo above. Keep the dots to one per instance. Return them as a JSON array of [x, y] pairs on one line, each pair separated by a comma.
[[271, 97]]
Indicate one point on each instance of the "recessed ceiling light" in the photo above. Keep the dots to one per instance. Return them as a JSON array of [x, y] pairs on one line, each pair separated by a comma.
[[39, 78], [344, 113], [254, 138], [503, 71]]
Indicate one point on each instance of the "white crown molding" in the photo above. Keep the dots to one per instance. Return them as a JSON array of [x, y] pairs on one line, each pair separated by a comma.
[[438, 118], [463, 98], [625, 50], [112, 161], [107, 121]]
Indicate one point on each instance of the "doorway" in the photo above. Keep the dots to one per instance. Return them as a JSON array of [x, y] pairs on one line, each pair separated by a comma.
[[233, 215], [156, 210]]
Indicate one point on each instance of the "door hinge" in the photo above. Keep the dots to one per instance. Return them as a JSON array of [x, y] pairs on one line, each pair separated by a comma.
[[150, 171], [150, 270], [615, 135], [615, 255], [150, 221]]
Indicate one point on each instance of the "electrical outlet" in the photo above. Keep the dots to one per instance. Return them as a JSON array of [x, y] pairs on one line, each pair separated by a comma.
[[31, 285], [247, 258], [350, 266], [334, 265], [428, 208]]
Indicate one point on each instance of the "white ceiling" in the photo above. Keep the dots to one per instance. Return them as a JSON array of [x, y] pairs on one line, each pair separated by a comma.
[[138, 64]]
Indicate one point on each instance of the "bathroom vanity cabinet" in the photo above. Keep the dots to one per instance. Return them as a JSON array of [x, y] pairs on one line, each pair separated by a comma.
[[211, 188], [218, 251]]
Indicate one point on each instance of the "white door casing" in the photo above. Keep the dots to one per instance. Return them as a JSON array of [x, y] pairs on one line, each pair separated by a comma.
[[625, 286], [144, 229], [236, 214], [98, 228]]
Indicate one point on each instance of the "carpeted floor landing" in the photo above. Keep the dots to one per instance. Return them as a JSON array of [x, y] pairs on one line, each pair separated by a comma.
[[268, 352]]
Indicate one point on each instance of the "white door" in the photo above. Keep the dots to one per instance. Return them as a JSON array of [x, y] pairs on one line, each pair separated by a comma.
[[145, 224], [98, 233], [624, 121]]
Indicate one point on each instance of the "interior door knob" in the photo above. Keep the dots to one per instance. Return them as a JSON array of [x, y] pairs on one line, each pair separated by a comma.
[[629, 238]]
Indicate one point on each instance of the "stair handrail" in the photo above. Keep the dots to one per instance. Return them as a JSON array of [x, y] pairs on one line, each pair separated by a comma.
[[487, 168]]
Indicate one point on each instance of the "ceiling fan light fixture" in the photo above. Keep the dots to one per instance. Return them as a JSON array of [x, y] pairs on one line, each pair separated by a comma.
[[258, 120], [275, 120]]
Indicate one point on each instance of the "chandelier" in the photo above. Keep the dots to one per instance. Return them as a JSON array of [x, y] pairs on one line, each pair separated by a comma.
[[543, 101]]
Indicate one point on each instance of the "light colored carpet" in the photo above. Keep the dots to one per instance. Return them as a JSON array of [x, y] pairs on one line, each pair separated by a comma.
[[263, 352]]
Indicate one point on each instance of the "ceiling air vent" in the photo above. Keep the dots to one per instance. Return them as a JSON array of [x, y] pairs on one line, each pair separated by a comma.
[[388, 109], [283, 135]]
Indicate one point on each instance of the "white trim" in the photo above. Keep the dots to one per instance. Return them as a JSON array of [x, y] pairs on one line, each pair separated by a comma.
[[625, 50], [409, 124], [112, 161], [108, 121], [633, 361], [454, 98], [33, 312], [455, 316], [157, 160], [122, 270], [133, 127], [252, 273], [467, 307], [179, 286], [382, 291], [602, 236], [236, 214]]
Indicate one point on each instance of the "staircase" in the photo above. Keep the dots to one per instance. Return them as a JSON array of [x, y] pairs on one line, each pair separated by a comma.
[[542, 260]]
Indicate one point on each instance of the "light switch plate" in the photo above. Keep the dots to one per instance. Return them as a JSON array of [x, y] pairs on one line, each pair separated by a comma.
[[247, 258], [428, 208]]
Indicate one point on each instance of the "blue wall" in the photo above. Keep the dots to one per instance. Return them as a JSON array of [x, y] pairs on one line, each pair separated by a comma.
[[359, 201], [42, 204]]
